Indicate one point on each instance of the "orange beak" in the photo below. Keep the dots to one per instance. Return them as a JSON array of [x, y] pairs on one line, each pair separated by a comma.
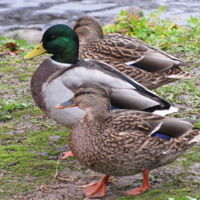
[[66, 104]]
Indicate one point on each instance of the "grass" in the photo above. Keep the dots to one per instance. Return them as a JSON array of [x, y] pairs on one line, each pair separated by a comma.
[[24, 134], [29, 156], [21, 158]]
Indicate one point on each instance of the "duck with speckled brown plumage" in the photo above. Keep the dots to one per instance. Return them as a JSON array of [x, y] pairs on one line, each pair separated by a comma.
[[123, 142], [152, 67]]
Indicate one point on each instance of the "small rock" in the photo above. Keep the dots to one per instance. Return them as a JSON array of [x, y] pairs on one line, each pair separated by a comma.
[[182, 97], [11, 133], [63, 148], [43, 153], [32, 151], [158, 180], [40, 153], [198, 116], [195, 168], [180, 159], [138, 177], [54, 137], [65, 131], [29, 35], [21, 70]]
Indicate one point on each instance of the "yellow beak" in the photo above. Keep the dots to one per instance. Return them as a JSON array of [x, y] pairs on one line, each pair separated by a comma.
[[39, 50]]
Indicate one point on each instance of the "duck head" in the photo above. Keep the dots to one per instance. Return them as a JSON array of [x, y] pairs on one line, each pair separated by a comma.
[[59, 40], [88, 29], [93, 99]]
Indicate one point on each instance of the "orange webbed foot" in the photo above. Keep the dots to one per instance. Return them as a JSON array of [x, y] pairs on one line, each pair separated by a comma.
[[145, 186], [67, 154], [97, 189], [137, 191]]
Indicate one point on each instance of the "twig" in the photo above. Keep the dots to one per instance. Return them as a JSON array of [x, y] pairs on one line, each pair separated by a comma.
[[57, 176]]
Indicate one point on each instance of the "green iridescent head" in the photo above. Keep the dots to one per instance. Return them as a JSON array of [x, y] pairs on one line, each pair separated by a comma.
[[61, 41]]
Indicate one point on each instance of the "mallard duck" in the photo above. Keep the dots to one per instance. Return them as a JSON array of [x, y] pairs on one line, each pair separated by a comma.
[[123, 142], [153, 67], [58, 77]]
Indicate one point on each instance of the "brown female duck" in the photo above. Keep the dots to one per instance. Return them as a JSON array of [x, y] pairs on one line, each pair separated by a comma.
[[156, 67], [124, 142]]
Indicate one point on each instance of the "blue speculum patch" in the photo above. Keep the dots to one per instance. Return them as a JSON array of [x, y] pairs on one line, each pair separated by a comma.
[[132, 65], [160, 135], [113, 107]]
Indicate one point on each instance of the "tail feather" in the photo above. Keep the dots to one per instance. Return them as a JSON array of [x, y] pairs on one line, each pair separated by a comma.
[[196, 134], [181, 76], [165, 112]]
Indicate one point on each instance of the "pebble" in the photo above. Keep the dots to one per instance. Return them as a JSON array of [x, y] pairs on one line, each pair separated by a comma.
[[30, 35], [54, 137]]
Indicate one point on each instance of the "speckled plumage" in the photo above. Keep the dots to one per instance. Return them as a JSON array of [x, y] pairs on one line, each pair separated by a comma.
[[120, 142], [150, 80], [102, 149], [156, 67]]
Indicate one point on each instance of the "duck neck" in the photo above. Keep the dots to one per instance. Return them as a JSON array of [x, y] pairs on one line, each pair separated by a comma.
[[65, 58], [41, 76], [99, 112]]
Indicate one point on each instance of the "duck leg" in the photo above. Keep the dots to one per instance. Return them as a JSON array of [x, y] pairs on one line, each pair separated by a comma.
[[97, 189], [67, 154], [145, 185]]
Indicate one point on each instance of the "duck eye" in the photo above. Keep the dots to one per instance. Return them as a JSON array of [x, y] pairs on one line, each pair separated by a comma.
[[52, 37], [82, 93]]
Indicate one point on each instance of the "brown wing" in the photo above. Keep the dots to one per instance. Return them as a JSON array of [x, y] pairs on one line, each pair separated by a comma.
[[114, 48], [132, 120], [148, 123], [154, 59]]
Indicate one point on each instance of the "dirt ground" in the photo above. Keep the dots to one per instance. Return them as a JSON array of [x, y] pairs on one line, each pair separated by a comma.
[[67, 185]]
